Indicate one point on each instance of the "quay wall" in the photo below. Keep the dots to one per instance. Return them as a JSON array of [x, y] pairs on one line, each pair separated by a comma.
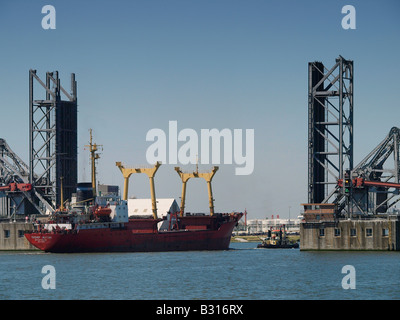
[[12, 236], [351, 234]]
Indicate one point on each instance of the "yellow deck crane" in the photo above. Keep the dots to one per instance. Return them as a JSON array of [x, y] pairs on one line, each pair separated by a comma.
[[127, 172], [196, 174]]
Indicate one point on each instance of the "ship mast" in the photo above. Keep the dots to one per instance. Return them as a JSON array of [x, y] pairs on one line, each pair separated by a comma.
[[62, 194], [93, 157]]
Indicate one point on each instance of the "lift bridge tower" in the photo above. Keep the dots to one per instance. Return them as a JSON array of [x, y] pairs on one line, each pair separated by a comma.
[[330, 129], [350, 207], [369, 188], [52, 138]]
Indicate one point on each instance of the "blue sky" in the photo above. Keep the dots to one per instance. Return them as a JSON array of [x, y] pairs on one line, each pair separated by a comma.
[[206, 64]]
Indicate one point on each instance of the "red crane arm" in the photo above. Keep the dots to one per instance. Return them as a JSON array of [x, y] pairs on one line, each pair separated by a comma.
[[361, 182]]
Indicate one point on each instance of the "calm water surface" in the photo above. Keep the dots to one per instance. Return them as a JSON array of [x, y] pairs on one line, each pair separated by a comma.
[[243, 272]]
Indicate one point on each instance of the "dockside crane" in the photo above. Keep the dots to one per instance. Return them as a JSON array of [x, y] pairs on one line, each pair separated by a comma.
[[372, 187], [14, 180]]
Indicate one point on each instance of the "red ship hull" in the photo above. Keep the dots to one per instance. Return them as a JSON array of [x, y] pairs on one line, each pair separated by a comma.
[[140, 235]]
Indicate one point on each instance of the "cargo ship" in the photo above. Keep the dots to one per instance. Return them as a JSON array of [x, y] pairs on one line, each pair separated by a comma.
[[102, 224], [112, 231]]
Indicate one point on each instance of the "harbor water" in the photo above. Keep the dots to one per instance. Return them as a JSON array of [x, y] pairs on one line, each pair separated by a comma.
[[241, 273]]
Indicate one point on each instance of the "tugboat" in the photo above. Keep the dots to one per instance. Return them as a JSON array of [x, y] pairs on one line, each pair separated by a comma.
[[276, 239]]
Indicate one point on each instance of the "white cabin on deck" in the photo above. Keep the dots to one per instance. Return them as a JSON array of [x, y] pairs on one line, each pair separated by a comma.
[[142, 207], [119, 211]]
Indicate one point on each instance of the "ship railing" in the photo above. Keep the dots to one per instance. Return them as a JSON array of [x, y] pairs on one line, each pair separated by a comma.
[[52, 231]]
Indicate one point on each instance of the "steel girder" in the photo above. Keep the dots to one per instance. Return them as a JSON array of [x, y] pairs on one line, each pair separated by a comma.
[[376, 166], [52, 139], [330, 128]]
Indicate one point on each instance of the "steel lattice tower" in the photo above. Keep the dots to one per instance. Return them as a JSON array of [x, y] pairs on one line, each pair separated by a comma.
[[330, 128], [52, 139]]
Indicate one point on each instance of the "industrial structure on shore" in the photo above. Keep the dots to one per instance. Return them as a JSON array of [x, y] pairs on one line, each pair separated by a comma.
[[52, 151], [350, 207], [34, 189], [262, 226]]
